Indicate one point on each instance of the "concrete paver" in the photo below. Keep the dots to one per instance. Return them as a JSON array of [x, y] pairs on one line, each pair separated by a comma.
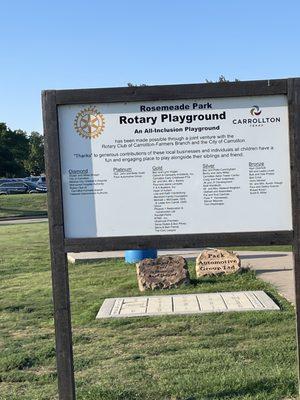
[[196, 303]]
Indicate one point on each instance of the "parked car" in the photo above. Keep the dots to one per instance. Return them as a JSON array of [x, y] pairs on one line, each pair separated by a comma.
[[33, 179], [14, 188], [32, 187], [41, 185], [5, 180]]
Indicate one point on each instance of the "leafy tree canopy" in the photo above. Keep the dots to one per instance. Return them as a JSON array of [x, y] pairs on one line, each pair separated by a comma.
[[35, 164], [20, 154]]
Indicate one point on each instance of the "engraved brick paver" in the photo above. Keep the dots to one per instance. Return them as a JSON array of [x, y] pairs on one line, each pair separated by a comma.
[[185, 304], [161, 304], [198, 303], [209, 302]]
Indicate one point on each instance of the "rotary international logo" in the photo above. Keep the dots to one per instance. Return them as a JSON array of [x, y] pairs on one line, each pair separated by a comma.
[[255, 110], [89, 123]]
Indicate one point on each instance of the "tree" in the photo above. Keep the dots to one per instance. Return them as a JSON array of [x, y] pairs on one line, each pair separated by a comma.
[[221, 79], [14, 151], [7, 162], [135, 85], [35, 163]]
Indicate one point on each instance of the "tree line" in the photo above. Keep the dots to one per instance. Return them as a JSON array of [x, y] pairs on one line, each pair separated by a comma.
[[20, 154]]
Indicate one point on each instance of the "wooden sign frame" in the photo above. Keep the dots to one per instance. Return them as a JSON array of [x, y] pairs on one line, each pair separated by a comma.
[[60, 245]]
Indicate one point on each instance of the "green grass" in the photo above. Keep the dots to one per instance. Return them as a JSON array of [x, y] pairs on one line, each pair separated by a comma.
[[23, 205], [261, 248], [239, 356]]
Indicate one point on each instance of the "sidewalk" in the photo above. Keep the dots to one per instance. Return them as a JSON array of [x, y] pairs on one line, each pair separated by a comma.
[[23, 220], [273, 267]]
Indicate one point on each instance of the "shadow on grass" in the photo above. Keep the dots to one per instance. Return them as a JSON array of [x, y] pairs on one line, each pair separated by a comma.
[[254, 388], [268, 388], [274, 270], [245, 257], [217, 279], [19, 212]]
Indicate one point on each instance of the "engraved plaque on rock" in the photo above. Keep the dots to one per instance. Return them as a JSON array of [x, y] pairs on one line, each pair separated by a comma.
[[217, 262], [164, 272]]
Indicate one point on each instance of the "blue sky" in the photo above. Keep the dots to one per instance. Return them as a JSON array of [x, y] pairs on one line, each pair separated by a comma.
[[76, 44]]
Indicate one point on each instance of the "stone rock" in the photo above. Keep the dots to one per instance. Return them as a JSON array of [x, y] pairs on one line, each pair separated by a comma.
[[217, 262], [164, 272]]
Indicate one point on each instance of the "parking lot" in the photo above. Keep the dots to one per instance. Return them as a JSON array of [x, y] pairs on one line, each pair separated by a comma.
[[31, 184]]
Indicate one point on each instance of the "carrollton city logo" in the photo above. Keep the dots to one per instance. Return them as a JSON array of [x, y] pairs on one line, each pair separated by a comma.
[[255, 110], [89, 123], [256, 121]]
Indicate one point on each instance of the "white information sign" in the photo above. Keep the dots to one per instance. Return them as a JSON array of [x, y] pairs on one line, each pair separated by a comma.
[[175, 167]]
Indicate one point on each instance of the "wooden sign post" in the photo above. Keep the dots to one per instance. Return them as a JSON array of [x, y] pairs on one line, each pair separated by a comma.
[[193, 155]]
